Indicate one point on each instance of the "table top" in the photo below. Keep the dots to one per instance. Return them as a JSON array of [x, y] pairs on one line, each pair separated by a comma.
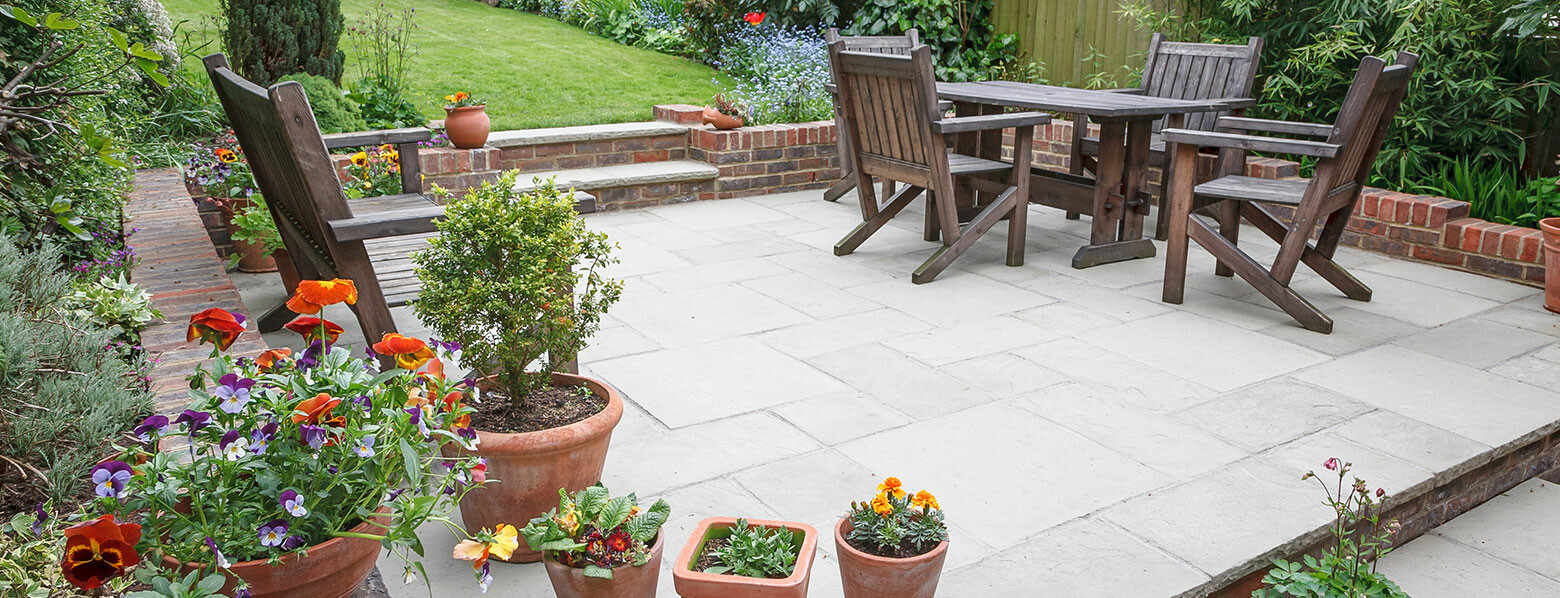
[[1093, 102]]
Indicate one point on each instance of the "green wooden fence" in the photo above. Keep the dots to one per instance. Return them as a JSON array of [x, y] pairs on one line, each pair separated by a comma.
[[1074, 39]]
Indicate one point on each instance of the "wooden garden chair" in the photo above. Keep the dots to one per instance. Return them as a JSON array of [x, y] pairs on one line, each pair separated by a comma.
[[896, 131], [1185, 71], [1343, 165], [368, 241]]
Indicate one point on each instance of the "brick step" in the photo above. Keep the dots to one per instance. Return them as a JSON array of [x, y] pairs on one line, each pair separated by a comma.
[[585, 134], [631, 185]]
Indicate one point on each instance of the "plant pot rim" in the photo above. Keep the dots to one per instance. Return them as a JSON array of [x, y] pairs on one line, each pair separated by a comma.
[[682, 568], [561, 438], [660, 539], [1550, 226], [286, 559], [843, 527], [455, 108]]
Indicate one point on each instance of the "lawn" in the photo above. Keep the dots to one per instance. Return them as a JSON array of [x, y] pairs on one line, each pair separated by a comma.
[[533, 71]]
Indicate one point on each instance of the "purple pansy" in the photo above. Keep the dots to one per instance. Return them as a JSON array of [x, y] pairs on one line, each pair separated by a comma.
[[222, 561], [369, 349], [260, 439], [231, 448], [151, 425], [292, 503], [40, 517], [292, 542], [314, 436], [417, 420], [193, 420], [364, 402], [311, 356], [364, 447], [485, 579], [273, 532], [232, 393], [109, 477]]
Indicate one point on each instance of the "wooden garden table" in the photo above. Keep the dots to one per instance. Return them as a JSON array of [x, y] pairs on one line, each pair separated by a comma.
[[1115, 196]]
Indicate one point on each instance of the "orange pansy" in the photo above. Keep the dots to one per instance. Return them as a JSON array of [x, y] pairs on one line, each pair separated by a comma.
[[216, 326], [268, 359], [309, 328], [410, 353], [316, 410], [99, 550]]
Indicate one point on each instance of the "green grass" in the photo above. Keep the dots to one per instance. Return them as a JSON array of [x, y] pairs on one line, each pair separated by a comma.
[[532, 70]]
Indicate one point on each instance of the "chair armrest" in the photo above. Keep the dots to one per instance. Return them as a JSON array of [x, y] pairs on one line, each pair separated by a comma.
[[1235, 103], [1238, 123], [1297, 147], [362, 138], [391, 223], [1127, 90], [986, 122]]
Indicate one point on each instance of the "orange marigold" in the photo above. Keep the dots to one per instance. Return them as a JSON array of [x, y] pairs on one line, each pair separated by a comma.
[[891, 486]]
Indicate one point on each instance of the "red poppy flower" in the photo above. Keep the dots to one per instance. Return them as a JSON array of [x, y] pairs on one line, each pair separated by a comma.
[[755, 17], [309, 327], [268, 359], [409, 352], [99, 550], [216, 326], [316, 410]]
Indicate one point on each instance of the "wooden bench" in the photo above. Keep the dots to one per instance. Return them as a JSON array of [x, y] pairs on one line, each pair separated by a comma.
[[368, 241]]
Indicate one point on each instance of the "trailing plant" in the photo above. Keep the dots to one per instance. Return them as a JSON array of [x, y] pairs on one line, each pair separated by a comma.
[[752, 551], [1360, 539], [965, 45], [500, 276], [593, 531], [385, 105], [333, 110], [268, 40], [116, 305], [373, 172], [896, 523]]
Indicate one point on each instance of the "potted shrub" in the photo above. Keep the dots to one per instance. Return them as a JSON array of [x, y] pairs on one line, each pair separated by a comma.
[[515, 281], [736, 557], [298, 468], [256, 240], [466, 120], [726, 114], [893, 545], [1360, 538], [597, 546]]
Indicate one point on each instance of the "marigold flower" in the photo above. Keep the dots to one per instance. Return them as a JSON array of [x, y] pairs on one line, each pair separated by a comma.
[[316, 410], [216, 326], [924, 500], [882, 506], [501, 544], [99, 550], [410, 353], [891, 486], [309, 328]]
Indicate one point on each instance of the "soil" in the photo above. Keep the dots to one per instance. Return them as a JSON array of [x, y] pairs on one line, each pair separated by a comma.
[[708, 559], [22, 494], [550, 407], [904, 550]]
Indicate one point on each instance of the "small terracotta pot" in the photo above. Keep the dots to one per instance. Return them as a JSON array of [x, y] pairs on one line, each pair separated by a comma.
[[467, 126], [288, 270], [228, 207], [252, 257], [530, 467], [334, 569], [1551, 230], [698, 584], [871, 576], [626, 582], [723, 122]]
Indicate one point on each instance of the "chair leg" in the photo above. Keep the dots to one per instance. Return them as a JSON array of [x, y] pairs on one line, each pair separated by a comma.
[[1179, 190], [840, 187], [988, 217], [881, 217], [888, 187], [1229, 226], [1319, 262], [931, 234], [1277, 292]]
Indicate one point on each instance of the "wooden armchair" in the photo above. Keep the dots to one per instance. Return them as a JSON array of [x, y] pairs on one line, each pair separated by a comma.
[[1187, 71], [1343, 166], [896, 131], [368, 241]]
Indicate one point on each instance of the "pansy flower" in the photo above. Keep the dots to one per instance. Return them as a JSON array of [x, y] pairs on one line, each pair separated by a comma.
[[317, 410], [312, 295], [109, 478], [232, 393], [501, 544], [230, 446], [417, 419], [270, 358], [40, 517], [292, 502], [311, 329], [99, 550], [484, 577], [216, 326], [364, 447], [314, 436], [272, 533], [193, 420], [409, 352], [154, 424], [221, 560], [260, 439]]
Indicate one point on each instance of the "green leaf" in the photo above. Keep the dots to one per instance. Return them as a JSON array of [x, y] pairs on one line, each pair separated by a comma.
[[139, 50], [212, 583], [614, 513], [600, 572], [59, 22], [717, 570], [118, 38], [17, 13], [591, 499], [563, 545], [414, 470]]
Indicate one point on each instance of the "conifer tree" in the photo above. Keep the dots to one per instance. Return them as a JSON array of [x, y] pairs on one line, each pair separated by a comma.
[[266, 40]]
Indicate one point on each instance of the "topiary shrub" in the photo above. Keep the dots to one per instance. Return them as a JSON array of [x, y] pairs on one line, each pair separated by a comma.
[[266, 40], [335, 112]]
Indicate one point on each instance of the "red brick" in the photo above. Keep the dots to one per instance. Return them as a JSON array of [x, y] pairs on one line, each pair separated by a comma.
[[1437, 255], [1530, 248], [650, 156], [553, 149]]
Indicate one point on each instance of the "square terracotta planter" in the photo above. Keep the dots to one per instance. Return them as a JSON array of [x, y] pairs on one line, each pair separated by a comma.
[[698, 584]]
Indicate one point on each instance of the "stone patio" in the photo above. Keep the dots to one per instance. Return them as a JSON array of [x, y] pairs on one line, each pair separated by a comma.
[[1084, 438]]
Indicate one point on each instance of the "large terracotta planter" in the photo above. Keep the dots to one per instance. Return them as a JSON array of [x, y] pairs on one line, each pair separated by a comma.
[[723, 122], [871, 576], [1551, 229], [530, 467], [626, 582], [467, 126], [334, 569], [698, 584]]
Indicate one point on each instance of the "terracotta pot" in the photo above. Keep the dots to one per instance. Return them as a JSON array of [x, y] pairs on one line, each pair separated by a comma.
[[467, 126], [334, 569], [871, 576], [626, 582], [712, 116], [531, 466], [288, 270], [252, 257], [1551, 229], [228, 207], [698, 584]]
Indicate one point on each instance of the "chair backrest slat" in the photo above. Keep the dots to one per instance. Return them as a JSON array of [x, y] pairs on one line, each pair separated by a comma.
[[898, 45], [284, 148], [1366, 113], [891, 100], [1196, 71]]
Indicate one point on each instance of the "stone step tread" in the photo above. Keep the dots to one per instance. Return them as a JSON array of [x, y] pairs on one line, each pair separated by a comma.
[[623, 175], [585, 133]]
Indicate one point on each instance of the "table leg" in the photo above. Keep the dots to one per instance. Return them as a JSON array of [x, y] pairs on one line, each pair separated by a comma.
[[1110, 209], [1134, 173], [1080, 130], [968, 144]]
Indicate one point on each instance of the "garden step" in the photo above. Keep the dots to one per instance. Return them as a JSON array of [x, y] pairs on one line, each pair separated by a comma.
[[624, 175], [584, 134]]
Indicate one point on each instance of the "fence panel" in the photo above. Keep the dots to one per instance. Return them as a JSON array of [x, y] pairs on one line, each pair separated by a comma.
[[1075, 39]]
